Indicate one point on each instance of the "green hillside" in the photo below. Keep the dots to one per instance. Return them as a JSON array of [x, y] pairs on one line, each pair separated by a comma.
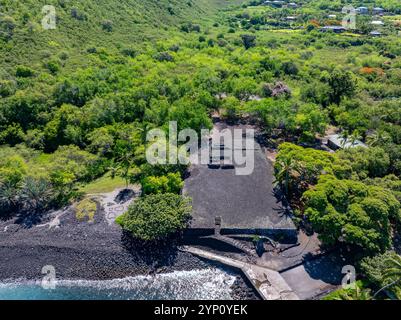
[[120, 25], [77, 102]]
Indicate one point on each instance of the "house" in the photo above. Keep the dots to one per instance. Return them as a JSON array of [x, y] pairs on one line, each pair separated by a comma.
[[377, 23], [335, 29], [336, 142], [375, 33], [378, 11], [362, 10], [276, 3]]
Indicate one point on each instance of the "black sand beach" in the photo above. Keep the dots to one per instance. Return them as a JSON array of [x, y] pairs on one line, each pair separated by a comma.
[[91, 251]]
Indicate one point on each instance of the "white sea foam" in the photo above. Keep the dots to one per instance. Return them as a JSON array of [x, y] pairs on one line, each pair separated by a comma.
[[211, 284]]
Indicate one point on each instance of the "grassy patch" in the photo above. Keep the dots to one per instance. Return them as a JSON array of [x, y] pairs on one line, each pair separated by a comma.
[[86, 209], [103, 184]]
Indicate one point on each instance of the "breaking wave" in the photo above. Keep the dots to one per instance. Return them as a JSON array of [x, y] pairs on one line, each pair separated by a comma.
[[206, 284]]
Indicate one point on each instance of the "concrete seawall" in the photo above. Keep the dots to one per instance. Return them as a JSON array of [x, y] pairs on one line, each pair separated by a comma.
[[269, 283]]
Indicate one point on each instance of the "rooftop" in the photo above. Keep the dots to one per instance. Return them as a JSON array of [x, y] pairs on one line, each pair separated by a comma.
[[338, 142]]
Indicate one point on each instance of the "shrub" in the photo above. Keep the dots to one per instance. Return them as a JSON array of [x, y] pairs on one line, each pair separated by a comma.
[[248, 41], [7, 88], [78, 15], [7, 26], [107, 25], [24, 72], [164, 56], [171, 183], [86, 208], [155, 217], [290, 68], [52, 66]]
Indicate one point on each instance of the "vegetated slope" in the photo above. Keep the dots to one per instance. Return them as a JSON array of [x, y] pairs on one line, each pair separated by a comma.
[[81, 24]]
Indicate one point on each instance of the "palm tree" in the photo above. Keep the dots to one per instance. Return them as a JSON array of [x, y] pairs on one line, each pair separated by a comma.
[[354, 294], [9, 196], [393, 270], [36, 194], [355, 136], [344, 135], [287, 167], [392, 273], [378, 138]]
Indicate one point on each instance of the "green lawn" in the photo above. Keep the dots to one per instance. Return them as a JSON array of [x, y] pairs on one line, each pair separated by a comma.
[[103, 185]]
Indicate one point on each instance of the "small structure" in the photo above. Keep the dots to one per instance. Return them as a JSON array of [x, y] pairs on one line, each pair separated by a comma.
[[336, 142], [335, 29], [362, 10], [292, 5], [375, 33], [291, 18], [275, 3], [378, 11], [332, 16], [377, 23]]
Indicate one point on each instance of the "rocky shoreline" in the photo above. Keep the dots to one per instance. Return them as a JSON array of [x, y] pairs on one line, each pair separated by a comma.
[[91, 251]]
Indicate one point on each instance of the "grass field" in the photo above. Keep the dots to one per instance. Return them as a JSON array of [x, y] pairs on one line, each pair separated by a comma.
[[103, 185]]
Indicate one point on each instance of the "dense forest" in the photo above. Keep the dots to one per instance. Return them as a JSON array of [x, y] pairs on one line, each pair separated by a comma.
[[76, 102]]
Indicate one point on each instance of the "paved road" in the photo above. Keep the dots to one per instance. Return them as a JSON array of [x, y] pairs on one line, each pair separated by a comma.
[[316, 276]]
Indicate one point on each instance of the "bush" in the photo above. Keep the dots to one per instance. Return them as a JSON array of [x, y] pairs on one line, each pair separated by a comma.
[[107, 25], [155, 217], [290, 68], [7, 88], [24, 72], [52, 66], [164, 56], [171, 183], [7, 26], [248, 41], [78, 15], [87, 208]]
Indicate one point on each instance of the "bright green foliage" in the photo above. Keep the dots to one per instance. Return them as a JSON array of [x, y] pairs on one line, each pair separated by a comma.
[[155, 217], [231, 109], [359, 292], [351, 212], [86, 210], [382, 270], [341, 85], [172, 183], [296, 168], [367, 162]]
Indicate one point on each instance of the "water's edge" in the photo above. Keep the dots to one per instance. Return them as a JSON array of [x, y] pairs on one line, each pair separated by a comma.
[[200, 284]]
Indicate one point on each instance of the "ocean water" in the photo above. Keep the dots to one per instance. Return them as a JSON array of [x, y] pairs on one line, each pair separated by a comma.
[[207, 284]]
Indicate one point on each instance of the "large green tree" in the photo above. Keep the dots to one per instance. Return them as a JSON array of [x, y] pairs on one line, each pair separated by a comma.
[[351, 212], [155, 217]]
